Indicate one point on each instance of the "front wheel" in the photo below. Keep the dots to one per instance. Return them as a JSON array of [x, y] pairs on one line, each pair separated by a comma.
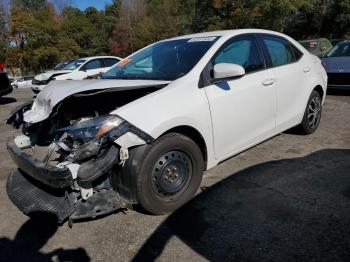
[[312, 115], [168, 173]]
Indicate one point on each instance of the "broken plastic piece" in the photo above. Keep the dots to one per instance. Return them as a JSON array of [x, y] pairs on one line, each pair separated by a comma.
[[23, 141], [86, 190], [73, 168], [123, 155]]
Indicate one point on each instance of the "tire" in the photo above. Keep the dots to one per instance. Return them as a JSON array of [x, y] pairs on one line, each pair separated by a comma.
[[168, 173], [15, 86], [312, 115]]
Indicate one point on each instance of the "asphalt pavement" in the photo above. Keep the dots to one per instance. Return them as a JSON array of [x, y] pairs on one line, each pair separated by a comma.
[[287, 199]]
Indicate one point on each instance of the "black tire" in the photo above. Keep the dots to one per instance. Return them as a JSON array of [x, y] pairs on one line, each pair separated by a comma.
[[312, 115], [168, 173], [15, 86]]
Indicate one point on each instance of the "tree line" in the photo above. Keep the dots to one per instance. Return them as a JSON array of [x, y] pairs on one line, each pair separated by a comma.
[[37, 34]]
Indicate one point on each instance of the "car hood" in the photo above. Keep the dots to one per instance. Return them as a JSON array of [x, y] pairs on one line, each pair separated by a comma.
[[47, 75], [57, 91], [337, 64]]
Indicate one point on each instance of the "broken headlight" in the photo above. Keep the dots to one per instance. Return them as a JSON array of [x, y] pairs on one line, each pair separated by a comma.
[[93, 128]]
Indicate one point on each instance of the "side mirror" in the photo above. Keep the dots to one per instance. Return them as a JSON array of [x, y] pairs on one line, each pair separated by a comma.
[[83, 69], [227, 71]]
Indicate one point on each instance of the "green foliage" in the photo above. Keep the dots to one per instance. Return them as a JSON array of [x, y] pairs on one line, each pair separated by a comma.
[[41, 38], [36, 37]]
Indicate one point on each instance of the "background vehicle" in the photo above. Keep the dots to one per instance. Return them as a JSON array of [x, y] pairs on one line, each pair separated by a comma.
[[62, 64], [75, 70], [318, 47], [336, 41], [337, 64], [167, 113], [5, 86], [23, 82]]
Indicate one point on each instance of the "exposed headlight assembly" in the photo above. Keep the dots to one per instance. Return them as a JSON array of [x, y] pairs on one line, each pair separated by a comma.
[[93, 128]]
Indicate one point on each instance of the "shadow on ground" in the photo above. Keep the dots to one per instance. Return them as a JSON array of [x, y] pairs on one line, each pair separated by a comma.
[[31, 237], [288, 210], [7, 100]]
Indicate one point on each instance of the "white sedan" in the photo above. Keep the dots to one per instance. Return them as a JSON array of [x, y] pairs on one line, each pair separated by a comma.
[[22, 82], [83, 68], [146, 132]]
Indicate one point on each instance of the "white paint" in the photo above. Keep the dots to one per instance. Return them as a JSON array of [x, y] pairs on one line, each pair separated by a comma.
[[252, 109]]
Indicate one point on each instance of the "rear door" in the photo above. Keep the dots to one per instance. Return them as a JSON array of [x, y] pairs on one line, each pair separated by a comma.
[[243, 109], [292, 72]]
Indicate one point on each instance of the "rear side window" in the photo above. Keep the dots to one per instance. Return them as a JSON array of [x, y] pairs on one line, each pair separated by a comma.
[[94, 64], [280, 51], [244, 52], [108, 62]]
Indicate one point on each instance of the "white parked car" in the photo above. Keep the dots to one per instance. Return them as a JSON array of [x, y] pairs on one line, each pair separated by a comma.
[[145, 133], [22, 82], [84, 68]]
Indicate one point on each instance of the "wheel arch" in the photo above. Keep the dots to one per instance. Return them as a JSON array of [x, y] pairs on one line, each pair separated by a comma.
[[319, 90], [193, 134]]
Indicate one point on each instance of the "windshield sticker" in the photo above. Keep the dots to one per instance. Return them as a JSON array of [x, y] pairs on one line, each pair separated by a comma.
[[202, 39], [124, 62]]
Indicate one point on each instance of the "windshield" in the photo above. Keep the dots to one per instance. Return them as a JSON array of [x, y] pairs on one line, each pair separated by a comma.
[[74, 65], [342, 49], [62, 65], [166, 60]]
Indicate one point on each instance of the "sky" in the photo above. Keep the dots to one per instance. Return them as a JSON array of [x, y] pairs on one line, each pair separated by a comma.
[[98, 4]]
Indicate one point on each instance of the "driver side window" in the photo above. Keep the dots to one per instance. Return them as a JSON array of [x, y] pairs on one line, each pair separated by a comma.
[[243, 52]]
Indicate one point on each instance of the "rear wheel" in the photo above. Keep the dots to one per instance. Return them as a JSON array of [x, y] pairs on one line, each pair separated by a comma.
[[312, 115], [169, 173]]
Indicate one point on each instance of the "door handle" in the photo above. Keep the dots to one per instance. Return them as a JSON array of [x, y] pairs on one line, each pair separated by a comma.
[[307, 69], [269, 82]]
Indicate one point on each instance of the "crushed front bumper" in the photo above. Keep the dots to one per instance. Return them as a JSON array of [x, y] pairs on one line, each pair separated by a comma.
[[37, 187], [52, 176], [30, 196]]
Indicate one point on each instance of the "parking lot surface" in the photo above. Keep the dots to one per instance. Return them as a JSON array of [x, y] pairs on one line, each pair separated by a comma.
[[287, 199]]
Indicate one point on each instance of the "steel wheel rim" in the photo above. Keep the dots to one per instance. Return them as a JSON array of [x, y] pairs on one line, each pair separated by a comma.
[[314, 112], [171, 174]]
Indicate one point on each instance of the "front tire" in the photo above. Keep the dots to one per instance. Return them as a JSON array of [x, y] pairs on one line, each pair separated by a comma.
[[312, 115], [169, 173]]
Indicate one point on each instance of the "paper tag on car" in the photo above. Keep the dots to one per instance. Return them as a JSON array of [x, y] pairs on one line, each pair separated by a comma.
[[202, 39]]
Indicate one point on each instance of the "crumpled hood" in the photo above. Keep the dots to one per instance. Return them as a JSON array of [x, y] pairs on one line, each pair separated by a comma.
[[57, 91], [337, 64], [48, 74]]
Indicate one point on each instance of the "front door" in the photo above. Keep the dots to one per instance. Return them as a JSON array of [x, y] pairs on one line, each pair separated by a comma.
[[242, 110]]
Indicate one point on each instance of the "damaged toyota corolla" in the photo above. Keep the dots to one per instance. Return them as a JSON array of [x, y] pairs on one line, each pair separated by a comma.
[[146, 131]]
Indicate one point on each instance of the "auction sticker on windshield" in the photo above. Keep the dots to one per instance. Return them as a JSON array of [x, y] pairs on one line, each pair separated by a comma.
[[202, 39], [124, 62]]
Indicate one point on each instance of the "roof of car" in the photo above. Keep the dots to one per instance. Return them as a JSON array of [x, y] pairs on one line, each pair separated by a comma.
[[226, 32], [95, 57]]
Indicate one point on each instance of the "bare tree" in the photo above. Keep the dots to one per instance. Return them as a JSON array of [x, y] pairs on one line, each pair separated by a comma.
[[61, 4], [130, 12]]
